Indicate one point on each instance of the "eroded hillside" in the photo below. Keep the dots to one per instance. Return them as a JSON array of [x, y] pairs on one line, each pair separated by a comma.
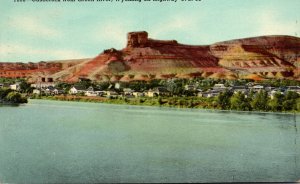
[[144, 58]]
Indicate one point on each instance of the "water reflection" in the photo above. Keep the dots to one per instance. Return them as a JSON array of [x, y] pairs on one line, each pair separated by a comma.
[[9, 105]]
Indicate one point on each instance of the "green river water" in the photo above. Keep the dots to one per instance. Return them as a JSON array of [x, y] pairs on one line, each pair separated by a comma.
[[66, 142]]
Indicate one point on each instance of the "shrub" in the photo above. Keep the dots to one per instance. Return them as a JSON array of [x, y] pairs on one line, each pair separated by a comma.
[[15, 97]]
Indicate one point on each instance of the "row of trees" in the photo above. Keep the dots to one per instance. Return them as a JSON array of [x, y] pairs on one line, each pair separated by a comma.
[[259, 101]]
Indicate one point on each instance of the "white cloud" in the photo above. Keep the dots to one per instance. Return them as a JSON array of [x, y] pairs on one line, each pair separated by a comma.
[[112, 33], [186, 29], [33, 26], [270, 23], [175, 23], [23, 52]]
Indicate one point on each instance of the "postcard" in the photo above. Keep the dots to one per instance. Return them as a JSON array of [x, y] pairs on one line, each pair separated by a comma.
[[149, 91]]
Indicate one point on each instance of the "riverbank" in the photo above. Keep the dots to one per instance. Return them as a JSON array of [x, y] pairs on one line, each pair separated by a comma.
[[180, 102], [174, 102]]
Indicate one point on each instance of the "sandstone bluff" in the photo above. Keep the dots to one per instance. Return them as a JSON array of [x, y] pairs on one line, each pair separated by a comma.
[[145, 59]]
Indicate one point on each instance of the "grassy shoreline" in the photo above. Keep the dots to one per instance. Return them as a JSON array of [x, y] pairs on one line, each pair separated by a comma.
[[171, 102]]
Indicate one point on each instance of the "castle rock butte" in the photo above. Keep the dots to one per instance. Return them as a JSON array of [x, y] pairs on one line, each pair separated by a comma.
[[145, 59]]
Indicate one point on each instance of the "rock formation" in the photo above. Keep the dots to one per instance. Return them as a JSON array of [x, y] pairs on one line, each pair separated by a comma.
[[145, 59]]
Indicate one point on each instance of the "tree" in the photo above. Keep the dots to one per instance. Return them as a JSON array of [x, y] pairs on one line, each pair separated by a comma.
[[290, 101], [275, 104], [171, 86], [224, 99], [84, 83], [291, 95], [15, 97], [288, 105], [239, 102], [103, 85], [4, 92], [25, 87], [155, 83], [260, 101]]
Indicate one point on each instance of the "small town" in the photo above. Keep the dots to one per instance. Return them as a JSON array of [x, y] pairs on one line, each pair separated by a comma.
[[217, 93], [114, 90]]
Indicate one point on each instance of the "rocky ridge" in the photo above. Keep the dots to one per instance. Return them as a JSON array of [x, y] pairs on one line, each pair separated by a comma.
[[144, 58]]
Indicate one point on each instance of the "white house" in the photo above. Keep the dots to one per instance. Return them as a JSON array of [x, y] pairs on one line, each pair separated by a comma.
[[257, 88], [49, 90], [111, 94], [36, 91], [128, 91], [91, 93], [57, 91], [15, 87], [208, 94], [77, 89], [219, 87], [158, 91]]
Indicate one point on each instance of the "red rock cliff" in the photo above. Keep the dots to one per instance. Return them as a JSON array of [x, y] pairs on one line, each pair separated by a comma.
[[144, 58]]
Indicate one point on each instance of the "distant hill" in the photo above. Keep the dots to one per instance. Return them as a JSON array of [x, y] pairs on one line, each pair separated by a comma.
[[144, 58]]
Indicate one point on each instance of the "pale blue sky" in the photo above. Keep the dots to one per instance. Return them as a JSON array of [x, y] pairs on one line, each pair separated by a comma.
[[35, 31]]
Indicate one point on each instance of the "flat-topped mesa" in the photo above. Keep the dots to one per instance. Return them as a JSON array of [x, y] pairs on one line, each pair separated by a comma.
[[137, 39], [140, 39]]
